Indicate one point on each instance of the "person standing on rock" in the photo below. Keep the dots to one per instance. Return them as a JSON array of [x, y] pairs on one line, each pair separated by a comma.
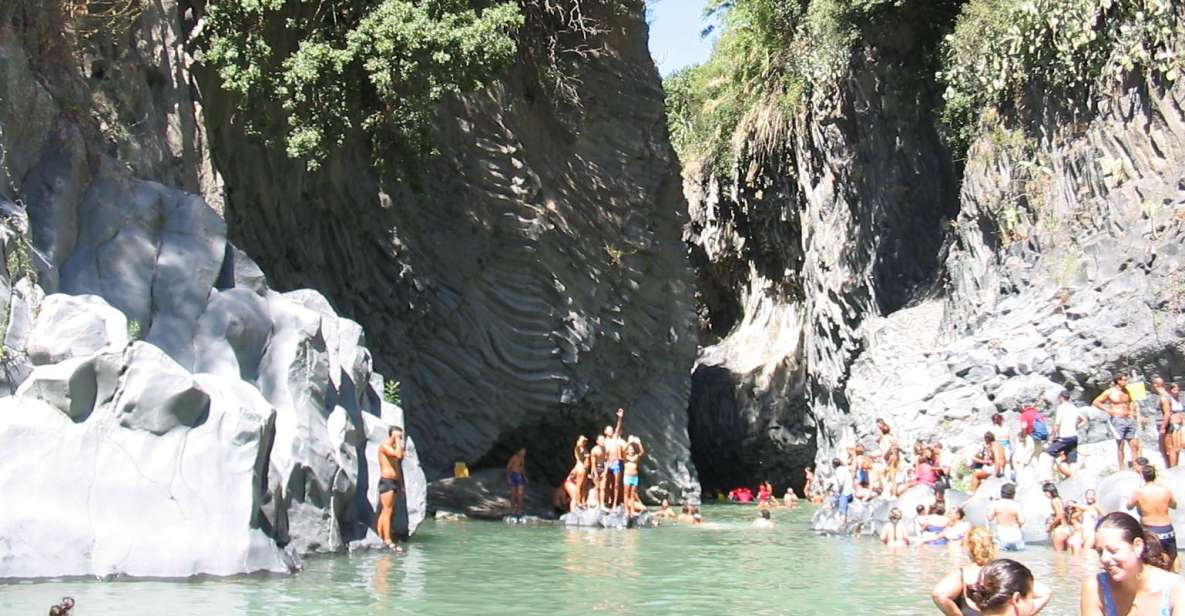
[[1154, 501], [596, 460], [390, 473], [576, 483], [615, 463], [1009, 518], [1117, 402], [989, 461], [890, 452], [516, 474], [1002, 436], [1066, 422], [1161, 395], [1173, 424], [844, 490], [633, 458]]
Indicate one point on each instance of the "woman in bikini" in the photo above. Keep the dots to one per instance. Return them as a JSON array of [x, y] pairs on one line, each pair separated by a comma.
[[576, 485], [1057, 527], [1132, 582], [633, 455], [1173, 427], [950, 594], [1116, 401]]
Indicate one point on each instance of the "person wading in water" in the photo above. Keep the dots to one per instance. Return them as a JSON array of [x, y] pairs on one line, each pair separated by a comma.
[[1154, 502], [1132, 581], [1117, 402], [390, 471]]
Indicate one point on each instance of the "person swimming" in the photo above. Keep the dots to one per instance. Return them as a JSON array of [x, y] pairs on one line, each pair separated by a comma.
[[934, 526], [1007, 588], [763, 521]]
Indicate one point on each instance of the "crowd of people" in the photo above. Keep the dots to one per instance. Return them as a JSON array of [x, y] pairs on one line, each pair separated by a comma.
[[607, 475]]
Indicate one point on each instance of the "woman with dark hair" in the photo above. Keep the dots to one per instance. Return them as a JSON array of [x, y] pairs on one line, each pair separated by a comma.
[[950, 593], [1006, 587], [1127, 585], [1058, 528]]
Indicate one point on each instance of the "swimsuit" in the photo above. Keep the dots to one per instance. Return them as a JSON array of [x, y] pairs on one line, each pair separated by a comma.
[[616, 466], [962, 602], [1010, 538], [841, 503], [631, 480], [1124, 428], [861, 475], [388, 485], [1166, 601], [1068, 445], [1174, 408], [517, 479], [935, 529], [1168, 538]]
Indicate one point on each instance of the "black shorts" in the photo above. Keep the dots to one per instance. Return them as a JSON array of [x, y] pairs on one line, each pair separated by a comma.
[[1067, 445], [1168, 539], [388, 485]]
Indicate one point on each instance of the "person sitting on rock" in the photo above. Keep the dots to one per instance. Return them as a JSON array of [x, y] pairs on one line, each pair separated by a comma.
[[633, 456], [863, 492], [1117, 402], [1154, 501], [990, 461], [614, 464], [861, 465], [1009, 518], [516, 475], [390, 473], [763, 521]]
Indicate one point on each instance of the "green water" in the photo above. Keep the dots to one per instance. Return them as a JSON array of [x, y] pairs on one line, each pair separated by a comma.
[[472, 567]]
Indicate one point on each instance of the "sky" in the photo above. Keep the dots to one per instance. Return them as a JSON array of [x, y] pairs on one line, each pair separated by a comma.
[[675, 27]]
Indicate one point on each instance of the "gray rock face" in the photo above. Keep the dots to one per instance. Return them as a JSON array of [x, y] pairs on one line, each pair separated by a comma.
[[535, 280], [801, 244], [162, 380]]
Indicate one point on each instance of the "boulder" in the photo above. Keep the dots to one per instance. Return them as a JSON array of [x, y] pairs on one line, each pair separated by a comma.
[[73, 326]]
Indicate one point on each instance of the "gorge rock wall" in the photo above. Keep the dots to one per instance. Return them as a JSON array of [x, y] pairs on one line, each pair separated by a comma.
[[532, 283], [858, 272], [795, 249], [164, 411]]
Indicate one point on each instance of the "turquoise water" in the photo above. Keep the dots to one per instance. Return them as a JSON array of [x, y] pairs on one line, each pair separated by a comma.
[[470, 567]]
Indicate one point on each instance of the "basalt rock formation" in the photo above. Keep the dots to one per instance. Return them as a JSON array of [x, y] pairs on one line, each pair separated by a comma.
[[535, 279], [856, 271], [842, 221], [165, 411]]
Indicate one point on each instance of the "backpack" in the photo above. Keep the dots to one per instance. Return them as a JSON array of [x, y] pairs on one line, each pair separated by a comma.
[[1040, 428]]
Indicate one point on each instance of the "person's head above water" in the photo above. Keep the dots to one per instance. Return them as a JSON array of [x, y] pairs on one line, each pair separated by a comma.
[[1124, 546], [981, 545], [1008, 491], [765, 514], [1004, 587], [920, 509], [895, 514], [1148, 472], [666, 504]]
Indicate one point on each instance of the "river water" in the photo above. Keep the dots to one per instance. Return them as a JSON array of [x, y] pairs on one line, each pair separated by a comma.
[[471, 567]]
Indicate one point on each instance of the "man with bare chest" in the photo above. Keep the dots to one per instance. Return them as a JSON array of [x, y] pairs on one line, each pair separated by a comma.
[[1154, 502], [391, 474], [614, 463]]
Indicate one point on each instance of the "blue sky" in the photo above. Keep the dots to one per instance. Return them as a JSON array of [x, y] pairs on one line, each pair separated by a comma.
[[675, 27]]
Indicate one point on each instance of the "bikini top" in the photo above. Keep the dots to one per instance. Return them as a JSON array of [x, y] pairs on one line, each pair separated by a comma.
[[963, 602], [1175, 405], [1109, 609]]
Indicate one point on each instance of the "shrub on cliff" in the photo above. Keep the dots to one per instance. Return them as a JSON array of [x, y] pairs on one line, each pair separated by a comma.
[[1001, 48], [379, 66]]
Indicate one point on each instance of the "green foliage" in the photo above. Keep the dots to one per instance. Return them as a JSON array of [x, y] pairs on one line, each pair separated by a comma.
[[391, 393], [134, 331], [379, 66], [771, 56], [1001, 47]]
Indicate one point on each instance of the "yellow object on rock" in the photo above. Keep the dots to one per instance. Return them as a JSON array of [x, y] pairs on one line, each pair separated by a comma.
[[460, 470], [1137, 391]]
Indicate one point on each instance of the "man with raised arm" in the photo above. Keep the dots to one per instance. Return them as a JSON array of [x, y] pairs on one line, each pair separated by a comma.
[[390, 472], [614, 462]]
